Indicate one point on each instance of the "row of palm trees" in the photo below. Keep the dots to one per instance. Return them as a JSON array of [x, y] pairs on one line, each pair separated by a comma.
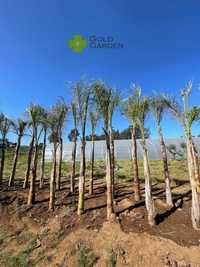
[[96, 102]]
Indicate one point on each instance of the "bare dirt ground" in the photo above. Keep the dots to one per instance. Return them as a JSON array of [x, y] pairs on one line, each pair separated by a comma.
[[33, 236]]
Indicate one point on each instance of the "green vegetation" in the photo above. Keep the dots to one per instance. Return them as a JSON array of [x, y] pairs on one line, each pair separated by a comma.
[[86, 257], [177, 168], [7, 259]]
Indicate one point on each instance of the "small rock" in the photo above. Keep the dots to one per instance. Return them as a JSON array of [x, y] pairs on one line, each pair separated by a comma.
[[38, 243]]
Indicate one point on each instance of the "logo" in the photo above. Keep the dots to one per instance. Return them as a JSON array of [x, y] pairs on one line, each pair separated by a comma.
[[77, 43]]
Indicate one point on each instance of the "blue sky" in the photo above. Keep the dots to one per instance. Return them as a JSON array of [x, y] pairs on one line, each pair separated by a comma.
[[161, 50]]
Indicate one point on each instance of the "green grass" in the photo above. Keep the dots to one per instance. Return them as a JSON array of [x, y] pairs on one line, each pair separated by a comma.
[[86, 257], [7, 259], [177, 168]]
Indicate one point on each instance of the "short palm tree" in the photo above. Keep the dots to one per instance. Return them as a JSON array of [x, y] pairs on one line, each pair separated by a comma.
[[143, 109], [130, 110], [35, 113], [158, 108], [5, 125], [187, 116], [93, 123], [19, 128]]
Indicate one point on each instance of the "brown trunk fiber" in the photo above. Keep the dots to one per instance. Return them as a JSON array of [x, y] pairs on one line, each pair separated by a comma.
[[112, 155], [53, 181], [2, 162], [82, 180], [92, 169], [12, 176], [168, 192], [110, 208], [58, 179], [194, 181], [30, 152], [135, 167], [72, 180], [43, 160], [148, 190], [31, 196]]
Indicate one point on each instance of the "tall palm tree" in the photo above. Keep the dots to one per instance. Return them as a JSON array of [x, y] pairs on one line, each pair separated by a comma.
[[54, 138], [130, 110], [187, 116], [45, 125], [82, 97], [29, 159], [74, 136], [5, 125], [35, 113], [93, 122], [19, 128], [143, 109], [106, 102], [158, 107], [61, 110], [114, 102]]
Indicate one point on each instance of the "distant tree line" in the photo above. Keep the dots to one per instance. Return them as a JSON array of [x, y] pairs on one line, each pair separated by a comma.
[[118, 135]]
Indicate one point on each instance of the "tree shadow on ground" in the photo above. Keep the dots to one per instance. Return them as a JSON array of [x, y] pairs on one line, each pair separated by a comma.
[[178, 203]]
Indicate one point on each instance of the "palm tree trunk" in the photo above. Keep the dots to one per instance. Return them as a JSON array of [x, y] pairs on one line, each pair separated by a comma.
[[148, 190], [53, 181], [92, 169], [168, 192], [112, 154], [194, 181], [2, 161], [72, 180], [43, 160], [59, 165], [12, 176], [135, 166], [82, 180], [110, 207], [31, 196], [30, 152]]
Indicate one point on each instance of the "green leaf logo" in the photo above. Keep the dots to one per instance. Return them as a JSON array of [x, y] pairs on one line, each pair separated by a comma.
[[77, 43]]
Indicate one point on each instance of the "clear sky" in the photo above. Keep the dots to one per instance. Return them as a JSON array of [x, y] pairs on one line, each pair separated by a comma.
[[161, 50]]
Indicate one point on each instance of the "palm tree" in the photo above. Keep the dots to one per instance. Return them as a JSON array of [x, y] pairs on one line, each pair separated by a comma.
[[114, 102], [130, 110], [143, 109], [82, 97], [93, 121], [187, 116], [61, 110], [54, 138], [158, 107], [19, 128], [5, 125], [29, 159], [74, 135], [35, 113], [106, 102], [45, 125]]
